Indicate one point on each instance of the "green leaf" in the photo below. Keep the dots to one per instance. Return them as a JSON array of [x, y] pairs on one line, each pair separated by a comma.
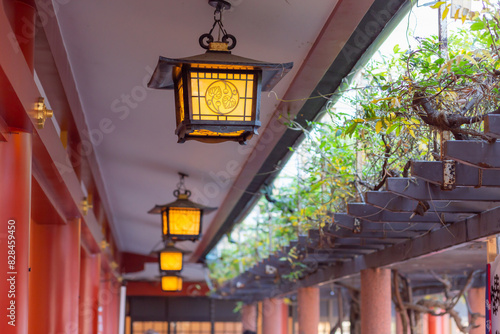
[[351, 128], [479, 25], [391, 128]]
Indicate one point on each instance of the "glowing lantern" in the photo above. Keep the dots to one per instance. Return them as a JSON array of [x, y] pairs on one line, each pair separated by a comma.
[[171, 283], [170, 259], [217, 94], [181, 219]]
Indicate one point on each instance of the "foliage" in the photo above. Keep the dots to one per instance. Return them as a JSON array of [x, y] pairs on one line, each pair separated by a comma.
[[405, 103], [445, 87], [301, 198]]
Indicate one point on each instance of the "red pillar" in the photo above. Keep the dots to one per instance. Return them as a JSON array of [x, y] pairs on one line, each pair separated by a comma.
[[445, 324], [15, 211], [90, 271], [425, 323], [284, 318], [308, 310], [476, 298], [249, 318], [272, 316], [375, 301], [54, 278], [109, 301], [434, 325]]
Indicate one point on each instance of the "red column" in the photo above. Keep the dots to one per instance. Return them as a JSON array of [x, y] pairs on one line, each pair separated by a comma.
[[54, 278], [375, 301], [445, 324], [284, 318], [425, 323], [15, 210], [109, 300], [90, 271], [476, 298], [308, 311], [249, 318], [434, 325], [272, 316]]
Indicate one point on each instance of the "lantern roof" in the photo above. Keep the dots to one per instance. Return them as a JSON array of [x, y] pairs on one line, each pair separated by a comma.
[[181, 202], [272, 73]]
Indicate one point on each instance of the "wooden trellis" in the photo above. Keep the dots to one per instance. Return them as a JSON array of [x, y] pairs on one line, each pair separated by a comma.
[[444, 204]]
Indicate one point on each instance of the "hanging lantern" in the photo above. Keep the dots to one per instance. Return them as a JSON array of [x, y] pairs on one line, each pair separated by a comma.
[[217, 94], [170, 259], [181, 219], [171, 283]]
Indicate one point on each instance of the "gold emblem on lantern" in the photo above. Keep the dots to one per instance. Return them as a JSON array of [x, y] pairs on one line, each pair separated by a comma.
[[222, 97]]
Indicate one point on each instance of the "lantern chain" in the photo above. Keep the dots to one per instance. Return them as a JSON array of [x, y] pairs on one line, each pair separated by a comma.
[[206, 39], [181, 188]]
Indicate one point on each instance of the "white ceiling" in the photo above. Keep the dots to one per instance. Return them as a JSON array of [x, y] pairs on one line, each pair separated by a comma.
[[113, 47]]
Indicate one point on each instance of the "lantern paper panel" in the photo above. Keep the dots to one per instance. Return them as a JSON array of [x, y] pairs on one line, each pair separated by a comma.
[[178, 222], [217, 102], [170, 261], [222, 96], [171, 283]]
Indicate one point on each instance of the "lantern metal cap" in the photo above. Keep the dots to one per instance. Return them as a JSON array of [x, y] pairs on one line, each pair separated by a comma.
[[220, 4], [182, 203], [271, 72]]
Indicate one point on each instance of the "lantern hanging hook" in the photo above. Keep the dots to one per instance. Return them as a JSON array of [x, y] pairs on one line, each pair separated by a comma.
[[206, 39], [181, 188]]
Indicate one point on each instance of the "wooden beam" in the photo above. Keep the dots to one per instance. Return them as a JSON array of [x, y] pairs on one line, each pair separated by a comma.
[[342, 233], [328, 242], [371, 213], [390, 202], [465, 175], [472, 152], [492, 125], [393, 202], [345, 221], [470, 229], [421, 190]]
